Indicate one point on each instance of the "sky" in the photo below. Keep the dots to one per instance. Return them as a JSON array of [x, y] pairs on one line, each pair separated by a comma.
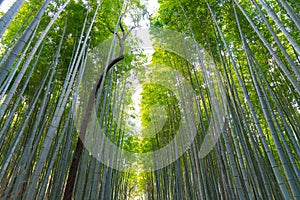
[[145, 43], [6, 5], [152, 5]]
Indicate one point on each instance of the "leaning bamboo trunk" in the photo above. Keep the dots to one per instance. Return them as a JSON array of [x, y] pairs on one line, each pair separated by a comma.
[[267, 115], [271, 51], [27, 62], [273, 15], [7, 18], [21, 42], [254, 115]]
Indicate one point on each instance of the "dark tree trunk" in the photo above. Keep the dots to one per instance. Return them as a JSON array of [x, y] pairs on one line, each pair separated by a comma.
[[79, 146]]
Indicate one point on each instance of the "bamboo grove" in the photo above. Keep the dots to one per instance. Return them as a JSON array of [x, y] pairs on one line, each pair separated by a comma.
[[44, 52]]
